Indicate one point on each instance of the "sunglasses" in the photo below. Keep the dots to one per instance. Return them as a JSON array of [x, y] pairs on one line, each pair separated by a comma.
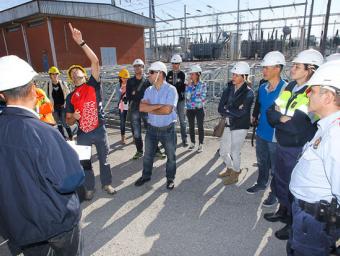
[[138, 66], [54, 74], [151, 72], [175, 63]]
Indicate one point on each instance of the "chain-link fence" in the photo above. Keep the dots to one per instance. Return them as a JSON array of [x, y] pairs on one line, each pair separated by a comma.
[[215, 74]]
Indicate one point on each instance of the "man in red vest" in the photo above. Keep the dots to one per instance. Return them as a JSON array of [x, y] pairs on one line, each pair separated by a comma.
[[84, 106]]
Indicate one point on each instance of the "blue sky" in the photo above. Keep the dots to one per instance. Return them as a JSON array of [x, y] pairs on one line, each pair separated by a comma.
[[175, 8]]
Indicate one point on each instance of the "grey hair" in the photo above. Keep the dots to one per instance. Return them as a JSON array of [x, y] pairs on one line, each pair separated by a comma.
[[18, 92]]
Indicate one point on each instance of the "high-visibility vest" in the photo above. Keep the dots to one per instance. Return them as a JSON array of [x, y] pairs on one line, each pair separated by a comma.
[[288, 102], [44, 107]]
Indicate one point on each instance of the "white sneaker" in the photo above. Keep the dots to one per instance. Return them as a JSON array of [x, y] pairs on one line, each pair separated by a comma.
[[192, 146], [200, 148]]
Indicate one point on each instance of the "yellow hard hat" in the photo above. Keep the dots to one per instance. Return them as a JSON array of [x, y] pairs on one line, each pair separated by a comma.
[[124, 73], [73, 67], [53, 70]]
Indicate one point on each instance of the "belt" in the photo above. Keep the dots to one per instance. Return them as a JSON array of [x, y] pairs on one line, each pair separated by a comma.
[[310, 208], [162, 128], [318, 210]]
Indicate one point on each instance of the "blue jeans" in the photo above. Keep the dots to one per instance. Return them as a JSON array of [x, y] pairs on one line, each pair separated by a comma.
[[265, 154], [122, 118], [167, 136], [308, 236], [136, 127], [182, 119], [99, 138]]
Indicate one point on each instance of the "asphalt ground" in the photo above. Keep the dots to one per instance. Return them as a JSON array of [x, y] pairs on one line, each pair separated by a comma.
[[200, 217]]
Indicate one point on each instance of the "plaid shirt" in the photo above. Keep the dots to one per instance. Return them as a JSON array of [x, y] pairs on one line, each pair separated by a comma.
[[195, 95]]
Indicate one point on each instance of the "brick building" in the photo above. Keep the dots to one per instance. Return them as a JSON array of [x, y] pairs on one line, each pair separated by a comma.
[[38, 32]]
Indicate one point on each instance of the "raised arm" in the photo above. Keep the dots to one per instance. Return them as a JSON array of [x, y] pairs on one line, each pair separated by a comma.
[[78, 38]]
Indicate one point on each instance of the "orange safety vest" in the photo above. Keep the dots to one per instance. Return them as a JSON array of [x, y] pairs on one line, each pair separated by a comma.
[[44, 107]]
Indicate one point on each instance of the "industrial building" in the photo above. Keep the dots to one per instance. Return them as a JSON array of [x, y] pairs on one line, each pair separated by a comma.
[[38, 32]]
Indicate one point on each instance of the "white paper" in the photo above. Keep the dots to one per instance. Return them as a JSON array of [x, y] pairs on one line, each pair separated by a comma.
[[84, 152]]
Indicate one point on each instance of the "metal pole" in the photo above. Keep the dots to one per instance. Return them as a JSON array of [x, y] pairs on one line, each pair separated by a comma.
[[238, 27], [310, 23], [28, 56], [5, 43], [303, 30], [150, 29], [185, 29], [50, 34], [259, 26], [323, 46]]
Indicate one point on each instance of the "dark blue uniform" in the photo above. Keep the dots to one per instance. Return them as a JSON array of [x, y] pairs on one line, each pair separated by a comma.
[[39, 174]]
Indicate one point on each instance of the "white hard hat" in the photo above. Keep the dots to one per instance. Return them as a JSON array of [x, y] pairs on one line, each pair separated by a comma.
[[195, 69], [327, 75], [176, 59], [273, 58], [309, 56], [158, 66], [241, 68], [15, 72], [334, 56], [138, 62]]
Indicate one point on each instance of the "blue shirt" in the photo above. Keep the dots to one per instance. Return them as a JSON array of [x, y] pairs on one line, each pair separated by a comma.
[[316, 176], [195, 95], [266, 99], [166, 95]]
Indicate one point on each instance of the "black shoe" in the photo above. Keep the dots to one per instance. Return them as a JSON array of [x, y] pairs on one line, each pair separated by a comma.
[[270, 200], [255, 188], [280, 215], [141, 181], [170, 184], [89, 194], [185, 144], [283, 233]]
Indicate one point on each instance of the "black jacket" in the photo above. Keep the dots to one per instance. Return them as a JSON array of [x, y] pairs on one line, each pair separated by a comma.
[[39, 173], [179, 83], [135, 91], [298, 130], [237, 106]]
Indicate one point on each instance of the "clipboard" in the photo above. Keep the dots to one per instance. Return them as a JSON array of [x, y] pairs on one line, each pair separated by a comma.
[[84, 152]]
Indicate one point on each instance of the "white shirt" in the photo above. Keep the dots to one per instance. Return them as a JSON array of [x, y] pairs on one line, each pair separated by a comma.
[[28, 109], [316, 176]]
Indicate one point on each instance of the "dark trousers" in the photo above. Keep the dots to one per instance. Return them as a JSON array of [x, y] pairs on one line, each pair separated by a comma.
[[286, 159], [197, 113], [59, 116], [167, 137], [122, 118], [265, 155], [308, 236], [182, 120], [66, 244], [136, 127], [99, 138]]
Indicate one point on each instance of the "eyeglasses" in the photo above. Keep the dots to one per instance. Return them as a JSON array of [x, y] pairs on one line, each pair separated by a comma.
[[54, 74], [138, 66], [151, 72], [175, 63]]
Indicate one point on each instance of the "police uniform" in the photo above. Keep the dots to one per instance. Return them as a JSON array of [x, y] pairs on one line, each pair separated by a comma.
[[316, 177], [290, 136]]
